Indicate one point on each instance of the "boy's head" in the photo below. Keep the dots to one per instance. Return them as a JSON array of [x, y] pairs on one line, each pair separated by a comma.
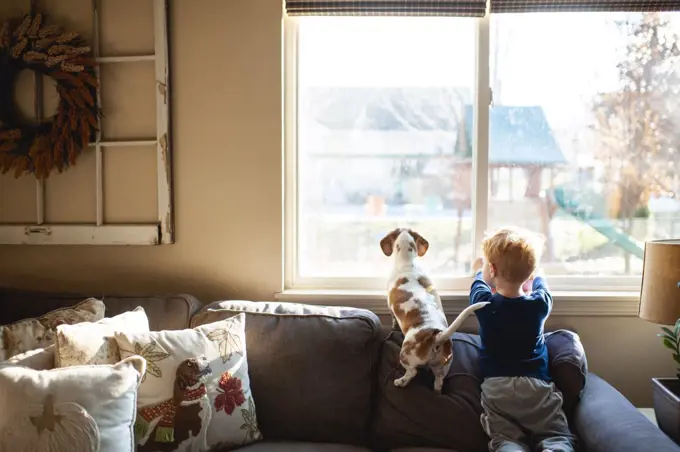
[[511, 256]]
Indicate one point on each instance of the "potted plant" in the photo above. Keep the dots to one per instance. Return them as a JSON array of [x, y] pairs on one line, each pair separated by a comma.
[[667, 390]]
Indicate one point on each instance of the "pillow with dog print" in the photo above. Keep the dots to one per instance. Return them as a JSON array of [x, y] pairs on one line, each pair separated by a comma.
[[196, 393], [93, 343], [79, 408]]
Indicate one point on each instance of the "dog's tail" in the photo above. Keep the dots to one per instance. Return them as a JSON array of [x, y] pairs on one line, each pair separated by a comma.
[[447, 333]]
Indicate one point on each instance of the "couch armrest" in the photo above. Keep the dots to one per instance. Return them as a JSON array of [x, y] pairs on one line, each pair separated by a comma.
[[605, 421]]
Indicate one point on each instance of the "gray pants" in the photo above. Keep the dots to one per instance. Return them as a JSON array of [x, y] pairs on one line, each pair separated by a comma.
[[522, 414]]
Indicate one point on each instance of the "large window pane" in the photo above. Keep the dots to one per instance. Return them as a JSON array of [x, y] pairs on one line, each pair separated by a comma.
[[585, 134], [381, 103]]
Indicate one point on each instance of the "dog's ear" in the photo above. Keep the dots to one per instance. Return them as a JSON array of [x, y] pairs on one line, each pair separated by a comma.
[[387, 242], [422, 245], [181, 378]]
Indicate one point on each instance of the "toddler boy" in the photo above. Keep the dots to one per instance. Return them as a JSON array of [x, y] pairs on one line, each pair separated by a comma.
[[522, 407]]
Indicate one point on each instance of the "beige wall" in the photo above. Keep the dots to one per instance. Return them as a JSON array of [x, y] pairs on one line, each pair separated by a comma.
[[226, 73]]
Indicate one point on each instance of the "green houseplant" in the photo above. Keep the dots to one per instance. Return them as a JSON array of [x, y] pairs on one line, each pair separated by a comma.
[[671, 340]]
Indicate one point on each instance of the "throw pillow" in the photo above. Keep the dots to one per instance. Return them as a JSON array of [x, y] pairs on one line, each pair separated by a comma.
[[38, 359], [195, 394], [81, 408], [93, 343], [30, 334]]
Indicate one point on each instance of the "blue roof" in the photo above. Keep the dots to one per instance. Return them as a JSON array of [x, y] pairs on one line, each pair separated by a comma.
[[519, 136]]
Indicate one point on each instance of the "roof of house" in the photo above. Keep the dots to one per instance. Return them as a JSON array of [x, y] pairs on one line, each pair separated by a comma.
[[517, 136], [386, 108], [425, 120]]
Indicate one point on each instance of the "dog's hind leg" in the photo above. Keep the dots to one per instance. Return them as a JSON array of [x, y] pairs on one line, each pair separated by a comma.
[[411, 370], [439, 373]]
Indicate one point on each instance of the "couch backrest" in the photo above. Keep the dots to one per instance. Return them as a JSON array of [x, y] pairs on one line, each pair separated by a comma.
[[417, 417], [165, 312], [312, 369]]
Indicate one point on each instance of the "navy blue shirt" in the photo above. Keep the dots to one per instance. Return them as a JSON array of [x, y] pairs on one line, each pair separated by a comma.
[[511, 329]]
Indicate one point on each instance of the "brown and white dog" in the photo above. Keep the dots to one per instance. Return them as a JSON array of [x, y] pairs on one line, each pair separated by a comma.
[[417, 309]]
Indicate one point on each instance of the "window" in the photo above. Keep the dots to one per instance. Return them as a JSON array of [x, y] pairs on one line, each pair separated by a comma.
[[584, 142], [387, 126], [86, 205], [378, 109]]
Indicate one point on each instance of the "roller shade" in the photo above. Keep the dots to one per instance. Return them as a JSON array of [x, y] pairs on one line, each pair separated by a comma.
[[463, 8], [533, 6]]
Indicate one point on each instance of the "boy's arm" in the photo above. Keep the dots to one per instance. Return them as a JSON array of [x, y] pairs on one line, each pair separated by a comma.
[[480, 290], [541, 290]]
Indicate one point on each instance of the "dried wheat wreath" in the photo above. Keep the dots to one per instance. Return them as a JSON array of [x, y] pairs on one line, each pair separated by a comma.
[[26, 43]]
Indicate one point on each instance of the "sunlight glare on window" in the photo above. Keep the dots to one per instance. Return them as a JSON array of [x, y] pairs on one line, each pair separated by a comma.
[[380, 104]]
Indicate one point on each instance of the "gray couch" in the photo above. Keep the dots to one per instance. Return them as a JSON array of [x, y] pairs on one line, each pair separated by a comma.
[[322, 379]]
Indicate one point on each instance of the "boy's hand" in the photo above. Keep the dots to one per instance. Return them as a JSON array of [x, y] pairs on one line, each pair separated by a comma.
[[477, 265], [538, 273]]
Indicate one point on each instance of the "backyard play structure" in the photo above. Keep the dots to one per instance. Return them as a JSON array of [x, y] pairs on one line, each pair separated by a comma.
[[521, 138], [568, 201]]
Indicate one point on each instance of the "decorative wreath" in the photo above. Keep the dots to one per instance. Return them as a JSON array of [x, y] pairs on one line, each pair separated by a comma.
[[56, 142]]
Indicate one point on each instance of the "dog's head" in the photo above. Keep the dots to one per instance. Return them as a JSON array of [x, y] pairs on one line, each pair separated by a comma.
[[404, 243], [191, 372]]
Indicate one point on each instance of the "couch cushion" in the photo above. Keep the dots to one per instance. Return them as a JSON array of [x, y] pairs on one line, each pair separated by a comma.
[[300, 447], [311, 368], [415, 416], [568, 366], [165, 312]]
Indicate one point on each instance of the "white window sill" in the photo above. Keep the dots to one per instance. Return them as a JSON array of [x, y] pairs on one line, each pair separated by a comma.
[[566, 303]]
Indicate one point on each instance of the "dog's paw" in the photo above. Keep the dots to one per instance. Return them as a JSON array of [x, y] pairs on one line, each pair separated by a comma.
[[400, 382], [438, 385]]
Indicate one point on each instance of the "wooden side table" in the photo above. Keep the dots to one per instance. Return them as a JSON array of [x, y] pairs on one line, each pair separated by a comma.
[[649, 414]]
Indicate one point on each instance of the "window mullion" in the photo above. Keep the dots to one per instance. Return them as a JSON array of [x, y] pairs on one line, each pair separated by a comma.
[[290, 183], [480, 134]]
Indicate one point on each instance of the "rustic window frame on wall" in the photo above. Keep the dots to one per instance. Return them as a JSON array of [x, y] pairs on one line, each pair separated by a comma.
[[100, 233]]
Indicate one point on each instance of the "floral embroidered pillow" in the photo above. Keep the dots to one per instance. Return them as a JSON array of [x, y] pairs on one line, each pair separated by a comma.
[[80, 408], [31, 334], [196, 393], [93, 343]]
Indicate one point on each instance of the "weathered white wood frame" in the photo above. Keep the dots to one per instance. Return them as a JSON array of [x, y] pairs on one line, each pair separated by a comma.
[[159, 232]]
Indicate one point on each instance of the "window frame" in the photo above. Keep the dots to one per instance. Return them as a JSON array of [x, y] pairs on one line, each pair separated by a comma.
[[605, 288], [101, 233]]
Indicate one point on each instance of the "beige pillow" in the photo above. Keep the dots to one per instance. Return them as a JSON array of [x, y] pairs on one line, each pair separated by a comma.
[[93, 343], [80, 408], [31, 334], [196, 391]]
